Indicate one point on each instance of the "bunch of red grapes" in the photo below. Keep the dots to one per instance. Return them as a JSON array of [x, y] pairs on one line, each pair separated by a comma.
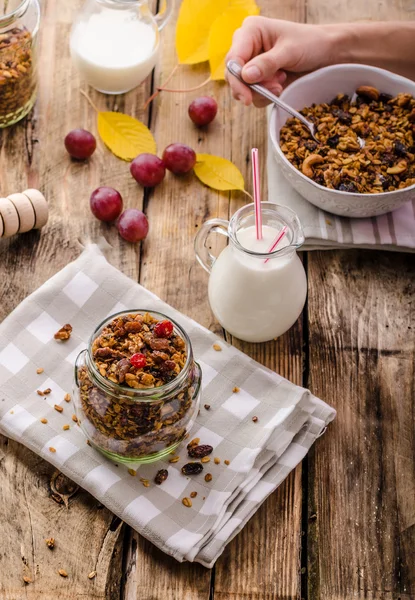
[[147, 169]]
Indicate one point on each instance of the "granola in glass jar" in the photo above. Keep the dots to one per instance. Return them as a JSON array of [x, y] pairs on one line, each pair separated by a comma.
[[137, 387]]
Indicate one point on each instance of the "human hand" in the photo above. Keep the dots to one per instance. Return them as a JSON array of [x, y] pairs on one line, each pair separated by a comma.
[[273, 52]]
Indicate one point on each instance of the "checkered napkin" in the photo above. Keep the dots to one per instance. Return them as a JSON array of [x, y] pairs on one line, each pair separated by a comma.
[[261, 454]]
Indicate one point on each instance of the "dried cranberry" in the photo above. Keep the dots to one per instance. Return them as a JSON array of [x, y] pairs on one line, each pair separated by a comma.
[[138, 360], [192, 468], [163, 329], [200, 451], [161, 476]]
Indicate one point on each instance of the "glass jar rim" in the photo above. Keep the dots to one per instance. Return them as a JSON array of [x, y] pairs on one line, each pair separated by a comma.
[[145, 394], [10, 17]]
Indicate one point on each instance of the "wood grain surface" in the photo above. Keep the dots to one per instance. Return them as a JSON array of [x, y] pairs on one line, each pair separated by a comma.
[[343, 524]]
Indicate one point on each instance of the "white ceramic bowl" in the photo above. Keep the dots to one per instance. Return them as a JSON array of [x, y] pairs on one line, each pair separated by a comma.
[[322, 86]]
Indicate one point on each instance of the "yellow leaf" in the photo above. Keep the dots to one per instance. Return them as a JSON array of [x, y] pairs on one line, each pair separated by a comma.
[[218, 173], [192, 29], [221, 33], [125, 136]]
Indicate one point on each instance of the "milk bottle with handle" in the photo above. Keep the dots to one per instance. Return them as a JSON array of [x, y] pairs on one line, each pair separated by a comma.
[[114, 43], [255, 295]]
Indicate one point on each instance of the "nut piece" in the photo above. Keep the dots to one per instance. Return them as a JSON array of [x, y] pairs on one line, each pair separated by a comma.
[[52, 449], [187, 502], [216, 460], [66, 427], [27, 579], [398, 168], [50, 543], [64, 333], [63, 573], [193, 494], [236, 390], [193, 442], [255, 419], [92, 575], [368, 92], [226, 462], [58, 408], [309, 162], [67, 397], [132, 472], [205, 459], [175, 459], [44, 421], [217, 348], [208, 477], [39, 371]]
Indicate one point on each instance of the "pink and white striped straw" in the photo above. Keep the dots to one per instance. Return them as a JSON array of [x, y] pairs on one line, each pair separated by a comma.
[[257, 194], [277, 240]]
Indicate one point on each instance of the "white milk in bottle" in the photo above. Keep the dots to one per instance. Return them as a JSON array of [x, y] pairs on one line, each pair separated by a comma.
[[253, 299], [114, 44]]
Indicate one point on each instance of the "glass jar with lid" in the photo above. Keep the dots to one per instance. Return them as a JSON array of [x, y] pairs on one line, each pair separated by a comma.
[[19, 26], [137, 387]]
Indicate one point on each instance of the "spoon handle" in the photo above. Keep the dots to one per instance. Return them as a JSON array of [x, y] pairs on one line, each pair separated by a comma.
[[235, 69]]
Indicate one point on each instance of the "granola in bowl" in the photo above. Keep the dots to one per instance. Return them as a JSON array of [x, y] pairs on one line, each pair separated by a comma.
[[137, 387], [385, 162]]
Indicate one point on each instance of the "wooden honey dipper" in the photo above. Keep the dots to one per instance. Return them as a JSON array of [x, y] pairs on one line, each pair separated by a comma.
[[23, 212]]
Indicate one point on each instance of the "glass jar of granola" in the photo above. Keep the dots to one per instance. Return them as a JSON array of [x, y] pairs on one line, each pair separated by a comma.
[[137, 387], [19, 25]]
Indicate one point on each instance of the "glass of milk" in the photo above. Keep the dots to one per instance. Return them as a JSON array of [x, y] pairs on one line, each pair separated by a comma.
[[114, 43], [256, 295]]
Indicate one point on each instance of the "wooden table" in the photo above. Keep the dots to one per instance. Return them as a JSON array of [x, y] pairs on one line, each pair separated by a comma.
[[343, 524]]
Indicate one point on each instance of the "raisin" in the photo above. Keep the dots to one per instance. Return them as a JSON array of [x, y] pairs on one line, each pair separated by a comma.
[[159, 343], [343, 116], [333, 141], [103, 353], [339, 99], [347, 186], [200, 451], [400, 149], [192, 468], [161, 476], [384, 97], [310, 145]]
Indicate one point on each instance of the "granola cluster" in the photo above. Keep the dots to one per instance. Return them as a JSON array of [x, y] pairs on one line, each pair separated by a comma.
[[137, 352], [385, 124]]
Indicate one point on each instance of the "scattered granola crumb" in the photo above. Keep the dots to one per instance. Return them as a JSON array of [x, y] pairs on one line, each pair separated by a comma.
[[63, 573], [132, 472], [207, 406], [50, 543], [217, 348], [66, 427], [204, 498], [236, 390], [64, 333], [92, 575], [187, 502], [67, 397], [89, 443], [255, 419], [39, 371], [205, 459], [175, 459], [52, 449], [74, 418], [216, 460], [146, 483], [193, 494], [226, 462], [27, 579], [47, 391], [44, 421], [12, 412], [39, 393], [58, 408], [208, 477], [193, 442]]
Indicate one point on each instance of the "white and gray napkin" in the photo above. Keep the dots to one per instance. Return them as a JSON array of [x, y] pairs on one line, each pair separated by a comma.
[[261, 454]]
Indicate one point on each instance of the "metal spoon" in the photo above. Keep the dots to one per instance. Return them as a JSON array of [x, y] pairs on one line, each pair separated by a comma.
[[235, 69]]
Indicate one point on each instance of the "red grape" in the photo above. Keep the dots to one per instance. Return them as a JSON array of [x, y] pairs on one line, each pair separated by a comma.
[[80, 144], [106, 203], [179, 158], [148, 169], [203, 110], [132, 225]]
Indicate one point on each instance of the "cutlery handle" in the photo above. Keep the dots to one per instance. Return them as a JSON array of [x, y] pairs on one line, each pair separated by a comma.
[[235, 69]]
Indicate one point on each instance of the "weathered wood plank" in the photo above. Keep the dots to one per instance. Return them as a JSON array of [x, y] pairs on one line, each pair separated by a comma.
[[32, 154], [362, 473]]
